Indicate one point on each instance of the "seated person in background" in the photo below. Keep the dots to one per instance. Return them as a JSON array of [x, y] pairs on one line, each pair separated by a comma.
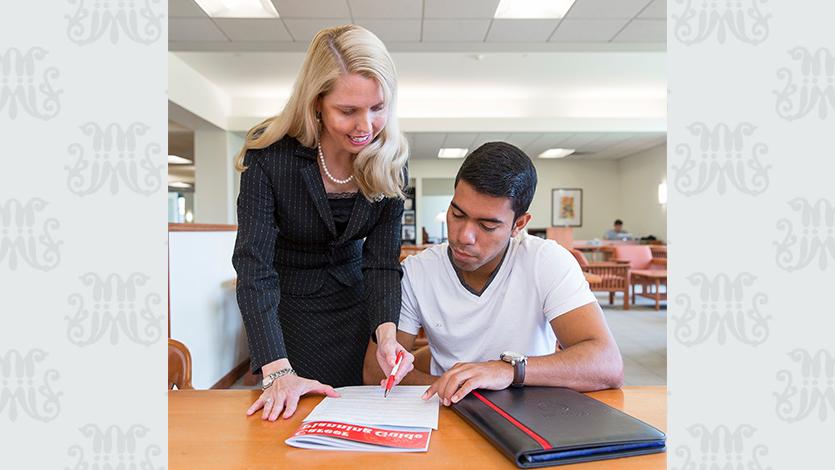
[[617, 233], [493, 301]]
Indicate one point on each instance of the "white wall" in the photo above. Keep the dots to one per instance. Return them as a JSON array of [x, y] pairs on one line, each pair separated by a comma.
[[204, 311], [640, 175], [625, 189]]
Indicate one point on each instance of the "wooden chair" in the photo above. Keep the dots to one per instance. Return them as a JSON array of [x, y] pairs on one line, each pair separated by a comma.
[[614, 277], [658, 251], [179, 366]]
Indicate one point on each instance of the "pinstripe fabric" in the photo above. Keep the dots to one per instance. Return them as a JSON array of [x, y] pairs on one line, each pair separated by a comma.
[[306, 292]]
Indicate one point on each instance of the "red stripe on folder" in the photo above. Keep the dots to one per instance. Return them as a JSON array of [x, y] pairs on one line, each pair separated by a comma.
[[539, 439]]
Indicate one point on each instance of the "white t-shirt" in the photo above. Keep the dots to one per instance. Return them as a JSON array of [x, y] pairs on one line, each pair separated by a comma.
[[537, 281]]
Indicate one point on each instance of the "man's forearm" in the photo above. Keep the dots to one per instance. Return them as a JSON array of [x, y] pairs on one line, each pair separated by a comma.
[[585, 366]]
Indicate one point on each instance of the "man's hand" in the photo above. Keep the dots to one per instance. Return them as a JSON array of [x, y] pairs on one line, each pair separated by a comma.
[[465, 377]]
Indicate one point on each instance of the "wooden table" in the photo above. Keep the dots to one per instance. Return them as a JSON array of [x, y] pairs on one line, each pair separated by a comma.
[[650, 277], [209, 429]]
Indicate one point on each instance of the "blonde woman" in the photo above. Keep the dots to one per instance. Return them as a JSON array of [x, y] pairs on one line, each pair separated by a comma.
[[319, 224]]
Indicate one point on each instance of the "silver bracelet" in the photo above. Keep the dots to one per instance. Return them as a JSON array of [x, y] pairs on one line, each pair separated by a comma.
[[268, 380]]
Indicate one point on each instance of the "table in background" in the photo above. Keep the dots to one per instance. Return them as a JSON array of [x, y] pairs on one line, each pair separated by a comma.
[[650, 278], [209, 429]]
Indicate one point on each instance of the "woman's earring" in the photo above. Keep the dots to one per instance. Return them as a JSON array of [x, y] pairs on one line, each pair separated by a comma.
[[319, 118]]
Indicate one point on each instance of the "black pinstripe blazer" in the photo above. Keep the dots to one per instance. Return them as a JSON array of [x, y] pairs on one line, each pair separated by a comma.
[[287, 241]]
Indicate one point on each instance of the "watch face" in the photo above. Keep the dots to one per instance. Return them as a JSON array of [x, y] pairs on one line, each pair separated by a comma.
[[509, 356]]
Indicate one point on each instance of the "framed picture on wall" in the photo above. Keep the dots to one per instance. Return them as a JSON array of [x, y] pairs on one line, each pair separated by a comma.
[[408, 217], [408, 232], [566, 207]]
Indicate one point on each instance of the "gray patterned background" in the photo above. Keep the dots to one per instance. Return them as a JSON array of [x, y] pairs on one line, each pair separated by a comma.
[[751, 219], [83, 234], [751, 216]]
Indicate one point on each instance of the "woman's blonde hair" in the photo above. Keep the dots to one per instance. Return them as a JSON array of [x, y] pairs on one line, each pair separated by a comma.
[[378, 168]]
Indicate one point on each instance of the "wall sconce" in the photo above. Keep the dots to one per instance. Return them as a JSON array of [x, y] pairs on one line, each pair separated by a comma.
[[662, 193]]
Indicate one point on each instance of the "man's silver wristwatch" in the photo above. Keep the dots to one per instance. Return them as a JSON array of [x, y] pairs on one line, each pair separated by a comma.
[[268, 380], [518, 361]]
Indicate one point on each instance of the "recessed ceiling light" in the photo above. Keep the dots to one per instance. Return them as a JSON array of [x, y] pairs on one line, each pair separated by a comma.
[[532, 9], [556, 153], [452, 153], [179, 184], [177, 160], [238, 8]]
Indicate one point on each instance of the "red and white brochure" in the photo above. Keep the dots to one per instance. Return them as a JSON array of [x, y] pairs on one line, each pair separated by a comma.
[[363, 419], [327, 435]]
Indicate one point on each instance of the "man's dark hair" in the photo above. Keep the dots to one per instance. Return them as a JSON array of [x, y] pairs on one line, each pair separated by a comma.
[[501, 170], [618, 222]]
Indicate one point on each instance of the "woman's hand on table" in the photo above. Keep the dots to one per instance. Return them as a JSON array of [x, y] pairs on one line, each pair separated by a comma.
[[283, 395], [387, 349]]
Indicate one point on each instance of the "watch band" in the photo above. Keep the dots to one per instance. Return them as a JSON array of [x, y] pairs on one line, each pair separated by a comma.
[[519, 372], [268, 380]]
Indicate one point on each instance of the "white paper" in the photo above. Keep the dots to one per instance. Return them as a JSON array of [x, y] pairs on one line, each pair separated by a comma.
[[365, 404]]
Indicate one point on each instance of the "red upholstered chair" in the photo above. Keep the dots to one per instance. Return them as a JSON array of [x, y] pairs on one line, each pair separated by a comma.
[[638, 257], [614, 277]]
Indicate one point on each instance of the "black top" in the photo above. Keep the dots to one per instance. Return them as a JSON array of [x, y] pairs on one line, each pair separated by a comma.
[[341, 205], [288, 242]]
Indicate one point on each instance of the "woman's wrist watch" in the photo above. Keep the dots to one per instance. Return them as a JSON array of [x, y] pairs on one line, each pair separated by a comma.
[[268, 380], [518, 361]]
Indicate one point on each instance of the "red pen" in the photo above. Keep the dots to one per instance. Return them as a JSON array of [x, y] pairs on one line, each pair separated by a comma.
[[390, 381]]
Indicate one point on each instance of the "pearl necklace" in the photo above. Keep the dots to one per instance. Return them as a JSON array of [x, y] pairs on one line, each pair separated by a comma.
[[328, 173]]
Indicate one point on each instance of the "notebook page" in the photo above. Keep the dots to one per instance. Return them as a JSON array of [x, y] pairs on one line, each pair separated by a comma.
[[365, 404]]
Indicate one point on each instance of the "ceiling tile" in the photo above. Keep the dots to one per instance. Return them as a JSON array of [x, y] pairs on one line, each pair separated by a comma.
[[644, 31], [312, 9], [253, 29], [427, 144], [547, 141], [455, 30], [460, 8], [597, 9], [587, 30], [185, 9], [303, 30], [521, 30], [656, 10], [483, 138], [392, 30], [386, 9], [579, 140], [460, 140], [194, 29], [523, 139]]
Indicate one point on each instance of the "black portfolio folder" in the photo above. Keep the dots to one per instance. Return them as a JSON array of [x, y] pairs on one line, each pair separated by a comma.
[[546, 426]]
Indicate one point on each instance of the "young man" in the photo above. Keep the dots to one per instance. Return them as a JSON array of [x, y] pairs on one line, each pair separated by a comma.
[[493, 301], [617, 232]]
